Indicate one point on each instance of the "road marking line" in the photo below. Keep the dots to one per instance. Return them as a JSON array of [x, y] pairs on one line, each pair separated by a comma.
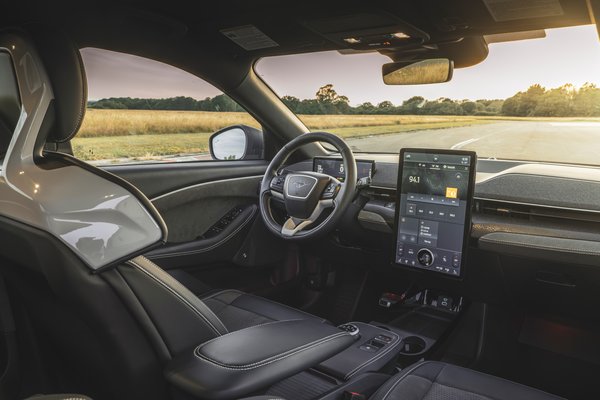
[[464, 143], [575, 123]]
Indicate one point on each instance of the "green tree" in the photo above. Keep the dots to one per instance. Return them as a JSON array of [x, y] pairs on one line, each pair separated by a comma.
[[293, 103], [468, 107], [529, 100], [586, 101], [412, 105], [556, 102]]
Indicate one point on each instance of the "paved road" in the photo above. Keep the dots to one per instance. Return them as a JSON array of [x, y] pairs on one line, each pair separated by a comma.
[[569, 142]]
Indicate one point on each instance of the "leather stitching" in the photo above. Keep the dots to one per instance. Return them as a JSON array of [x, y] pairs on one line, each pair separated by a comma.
[[207, 311], [402, 376], [177, 296], [433, 381], [240, 330], [270, 360], [212, 296]]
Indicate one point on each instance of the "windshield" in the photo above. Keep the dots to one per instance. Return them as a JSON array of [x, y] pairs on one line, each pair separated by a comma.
[[532, 100]]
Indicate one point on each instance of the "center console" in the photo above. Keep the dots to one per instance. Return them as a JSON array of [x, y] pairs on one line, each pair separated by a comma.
[[236, 364], [375, 348]]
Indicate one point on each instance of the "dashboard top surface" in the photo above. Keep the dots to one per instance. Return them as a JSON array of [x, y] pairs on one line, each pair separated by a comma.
[[554, 185]]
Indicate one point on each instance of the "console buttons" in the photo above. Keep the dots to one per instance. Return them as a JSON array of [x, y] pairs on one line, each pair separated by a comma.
[[350, 328], [411, 208], [444, 302], [383, 338], [456, 261], [425, 257], [373, 345], [331, 190], [369, 348], [277, 182]]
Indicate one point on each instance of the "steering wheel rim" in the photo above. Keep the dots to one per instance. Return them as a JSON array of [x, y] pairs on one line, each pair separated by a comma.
[[295, 228]]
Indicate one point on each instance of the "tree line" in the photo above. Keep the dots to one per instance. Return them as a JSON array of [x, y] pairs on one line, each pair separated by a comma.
[[564, 101]]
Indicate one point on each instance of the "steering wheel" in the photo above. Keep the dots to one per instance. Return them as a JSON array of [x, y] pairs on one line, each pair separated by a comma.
[[307, 194]]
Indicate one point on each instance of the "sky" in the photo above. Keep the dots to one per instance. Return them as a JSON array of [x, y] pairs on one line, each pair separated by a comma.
[[567, 55]]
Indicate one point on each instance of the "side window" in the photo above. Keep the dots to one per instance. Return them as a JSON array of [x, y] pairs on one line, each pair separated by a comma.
[[141, 110]]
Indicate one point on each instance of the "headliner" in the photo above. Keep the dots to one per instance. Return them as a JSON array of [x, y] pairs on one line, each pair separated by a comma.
[[188, 35]]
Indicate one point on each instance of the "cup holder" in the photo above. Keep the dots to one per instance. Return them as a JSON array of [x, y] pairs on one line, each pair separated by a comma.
[[412, 345]]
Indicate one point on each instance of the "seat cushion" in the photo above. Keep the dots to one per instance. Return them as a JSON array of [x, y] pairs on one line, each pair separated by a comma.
[[440, 381], [238, 310]]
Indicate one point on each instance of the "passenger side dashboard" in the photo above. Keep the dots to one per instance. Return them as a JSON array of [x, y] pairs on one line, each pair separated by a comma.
[[518, 200], [535, 234]]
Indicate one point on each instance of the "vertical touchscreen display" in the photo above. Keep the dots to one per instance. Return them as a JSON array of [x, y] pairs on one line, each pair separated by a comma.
[[434, 209]]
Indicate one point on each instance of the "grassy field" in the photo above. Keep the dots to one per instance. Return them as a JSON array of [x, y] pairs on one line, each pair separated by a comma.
[[146, 135]]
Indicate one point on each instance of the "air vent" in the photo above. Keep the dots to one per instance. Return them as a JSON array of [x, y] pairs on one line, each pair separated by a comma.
[[532, 212]]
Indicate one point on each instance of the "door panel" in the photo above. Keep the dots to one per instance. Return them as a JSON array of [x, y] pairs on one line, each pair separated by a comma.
[[160, 178], [191, 211], [193, 197], [211, 211]]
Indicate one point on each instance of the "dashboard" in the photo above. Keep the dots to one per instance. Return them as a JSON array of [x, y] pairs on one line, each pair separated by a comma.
[[534, 237], [542, 211]]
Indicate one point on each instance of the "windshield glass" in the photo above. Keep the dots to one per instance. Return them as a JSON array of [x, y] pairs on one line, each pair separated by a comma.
[[532, 100]]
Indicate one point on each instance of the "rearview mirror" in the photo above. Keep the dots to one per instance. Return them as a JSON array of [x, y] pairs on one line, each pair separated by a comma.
[[435, 70], [238, 142]]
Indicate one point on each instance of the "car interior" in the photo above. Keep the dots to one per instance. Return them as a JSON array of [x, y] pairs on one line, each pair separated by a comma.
[[303, 269]]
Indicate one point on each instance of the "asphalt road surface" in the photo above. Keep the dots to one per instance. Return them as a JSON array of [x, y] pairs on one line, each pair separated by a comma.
[[557, 141]]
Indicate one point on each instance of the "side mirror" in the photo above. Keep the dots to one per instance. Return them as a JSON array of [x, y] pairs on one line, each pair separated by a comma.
[[237, 142], [435, 70]]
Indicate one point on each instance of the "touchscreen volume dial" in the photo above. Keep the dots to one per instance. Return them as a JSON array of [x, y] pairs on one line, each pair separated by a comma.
[[425, 257]]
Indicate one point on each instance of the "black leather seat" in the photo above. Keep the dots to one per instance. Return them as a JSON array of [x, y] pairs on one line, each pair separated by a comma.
[[238, 310], [128, 320], [439, 381]]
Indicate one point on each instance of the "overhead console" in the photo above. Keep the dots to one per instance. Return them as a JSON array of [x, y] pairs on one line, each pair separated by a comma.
[[433, 209]]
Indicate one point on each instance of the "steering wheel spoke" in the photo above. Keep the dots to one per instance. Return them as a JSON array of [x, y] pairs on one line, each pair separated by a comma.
[[332, 189], [277, 183], [295, 225]]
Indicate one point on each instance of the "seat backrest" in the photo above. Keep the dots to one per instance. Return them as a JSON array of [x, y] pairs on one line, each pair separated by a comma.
[[107, 319]]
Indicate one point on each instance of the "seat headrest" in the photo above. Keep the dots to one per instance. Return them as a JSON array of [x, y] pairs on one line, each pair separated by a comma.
[[63, 64]]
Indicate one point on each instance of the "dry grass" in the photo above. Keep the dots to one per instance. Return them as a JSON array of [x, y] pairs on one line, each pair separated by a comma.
[[147, 135], [142, 122], [140, 147]]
